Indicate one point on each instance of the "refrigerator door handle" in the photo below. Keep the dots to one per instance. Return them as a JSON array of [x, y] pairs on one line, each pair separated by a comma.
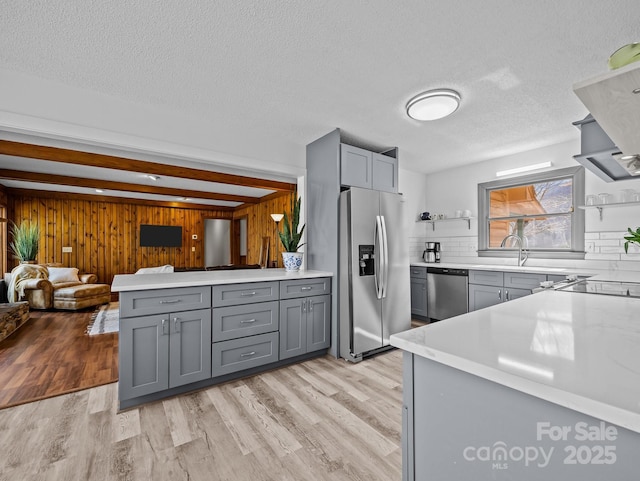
[[385, 257], [377, 252]]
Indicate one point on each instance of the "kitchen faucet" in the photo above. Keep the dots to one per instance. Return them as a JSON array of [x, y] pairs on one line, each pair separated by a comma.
[[521, 259]]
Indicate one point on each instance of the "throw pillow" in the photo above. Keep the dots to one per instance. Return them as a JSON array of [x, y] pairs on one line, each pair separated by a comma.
[[63, 274]]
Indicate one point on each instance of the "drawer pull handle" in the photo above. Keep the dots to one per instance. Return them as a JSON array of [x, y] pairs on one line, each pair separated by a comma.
[[247, 321], [247, 354], [172, 301], [308, 288], [244, 294]]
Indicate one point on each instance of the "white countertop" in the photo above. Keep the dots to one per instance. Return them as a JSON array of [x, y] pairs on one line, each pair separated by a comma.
[[560, 271], [167, 280], [581, 351]]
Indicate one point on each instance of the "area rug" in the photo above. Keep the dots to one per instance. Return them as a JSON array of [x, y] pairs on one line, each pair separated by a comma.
[[106, 319]]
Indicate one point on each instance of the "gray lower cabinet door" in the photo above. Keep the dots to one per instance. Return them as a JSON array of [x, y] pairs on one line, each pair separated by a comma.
[[484, 296], [419, 297], [293, 327], [189, 347], [318, 323], [143, 356], [239, 354], [510, 293]]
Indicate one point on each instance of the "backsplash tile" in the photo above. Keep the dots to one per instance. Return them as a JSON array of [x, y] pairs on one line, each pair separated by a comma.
[[604, 250]]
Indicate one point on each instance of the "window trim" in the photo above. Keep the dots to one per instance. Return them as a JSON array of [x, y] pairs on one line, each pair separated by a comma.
[[577, 216]]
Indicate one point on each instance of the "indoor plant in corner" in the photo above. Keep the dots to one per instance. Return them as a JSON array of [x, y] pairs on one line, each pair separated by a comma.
[[633, 237], [290, 237], [26, 238]]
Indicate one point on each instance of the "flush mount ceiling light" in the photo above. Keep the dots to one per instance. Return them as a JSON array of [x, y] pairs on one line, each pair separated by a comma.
[[152, 177], [526, 168], [433, 104]]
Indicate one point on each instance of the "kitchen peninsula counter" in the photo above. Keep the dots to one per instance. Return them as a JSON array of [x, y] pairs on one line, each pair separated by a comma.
[[167, 280], [188, 330], [538, 372]]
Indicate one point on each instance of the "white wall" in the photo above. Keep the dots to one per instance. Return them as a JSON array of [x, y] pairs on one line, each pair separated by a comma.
[[412, 185], [449, 190]]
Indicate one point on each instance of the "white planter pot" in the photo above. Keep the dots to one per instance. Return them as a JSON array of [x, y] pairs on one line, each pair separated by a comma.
[[292, 260]]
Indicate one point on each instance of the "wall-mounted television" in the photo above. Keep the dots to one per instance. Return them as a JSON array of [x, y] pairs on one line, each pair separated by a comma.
[[160, 235]]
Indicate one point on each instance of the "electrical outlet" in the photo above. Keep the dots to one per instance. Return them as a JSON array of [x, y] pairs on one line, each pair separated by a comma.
[[67, 249], [193, 249]]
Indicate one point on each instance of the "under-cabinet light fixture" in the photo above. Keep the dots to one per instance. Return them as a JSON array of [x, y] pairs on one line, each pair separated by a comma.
[[433, 104], [525, 168]]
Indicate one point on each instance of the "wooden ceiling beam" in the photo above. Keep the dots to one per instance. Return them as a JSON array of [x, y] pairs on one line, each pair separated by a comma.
[[227, 211], [120, 186], [56, 154]]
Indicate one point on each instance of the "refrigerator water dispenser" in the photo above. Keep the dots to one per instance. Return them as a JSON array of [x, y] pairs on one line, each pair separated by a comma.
[[366, 259]]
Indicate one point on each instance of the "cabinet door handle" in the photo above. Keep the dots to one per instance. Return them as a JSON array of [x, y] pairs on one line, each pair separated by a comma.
[[247, 321], [164, 331], [506, 294], [176, 323], [307, 288], [170, 301], [245, 294], [310, 305], [500, 294], [304, 306], [247, 354]]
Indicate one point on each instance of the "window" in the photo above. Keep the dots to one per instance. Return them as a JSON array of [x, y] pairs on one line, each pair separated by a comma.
[[538, 208]]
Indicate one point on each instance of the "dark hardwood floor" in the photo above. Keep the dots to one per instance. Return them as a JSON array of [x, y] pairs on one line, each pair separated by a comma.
[[52, 355]]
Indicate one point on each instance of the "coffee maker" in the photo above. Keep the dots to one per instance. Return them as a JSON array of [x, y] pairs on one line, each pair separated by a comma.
[[431, 252]]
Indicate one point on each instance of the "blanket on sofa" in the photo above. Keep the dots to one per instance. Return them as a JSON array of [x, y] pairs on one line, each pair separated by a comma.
[[19, 275]]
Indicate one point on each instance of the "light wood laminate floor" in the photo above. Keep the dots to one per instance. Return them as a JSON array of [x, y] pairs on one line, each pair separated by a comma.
[[323, 419]]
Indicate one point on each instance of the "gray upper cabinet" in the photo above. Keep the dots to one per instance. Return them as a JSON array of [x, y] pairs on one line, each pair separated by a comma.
[[366, 169], [356, 166], [385, 173]]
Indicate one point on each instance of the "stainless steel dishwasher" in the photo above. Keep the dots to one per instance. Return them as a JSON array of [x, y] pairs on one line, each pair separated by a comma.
[[447, 292]]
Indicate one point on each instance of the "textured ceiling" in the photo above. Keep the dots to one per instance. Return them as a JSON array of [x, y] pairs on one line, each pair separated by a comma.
[[271, 76]]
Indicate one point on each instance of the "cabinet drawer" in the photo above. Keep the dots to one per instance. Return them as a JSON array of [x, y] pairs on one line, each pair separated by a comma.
[[523, 281], [234, 294], [238, 354], [305, 287], [244, 320], [144, 303], [486, 278], [418, 272]]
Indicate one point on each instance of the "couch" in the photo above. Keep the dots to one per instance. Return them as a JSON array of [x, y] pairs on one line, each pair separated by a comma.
[[46, 287]]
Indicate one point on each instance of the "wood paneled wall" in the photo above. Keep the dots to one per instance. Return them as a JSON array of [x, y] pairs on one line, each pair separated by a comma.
[[104, 234], [260, 224]]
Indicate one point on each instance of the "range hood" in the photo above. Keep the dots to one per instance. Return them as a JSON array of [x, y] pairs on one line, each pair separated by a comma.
[[601, 156], [611, 133]]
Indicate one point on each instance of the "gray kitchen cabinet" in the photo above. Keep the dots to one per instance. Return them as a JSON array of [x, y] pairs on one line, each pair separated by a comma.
[[385, 173], [418, 284], [233, 322], [305, 325], [244, 353], [235, 294], [162, 351], [487, 288], [355, 166], [370, 170]]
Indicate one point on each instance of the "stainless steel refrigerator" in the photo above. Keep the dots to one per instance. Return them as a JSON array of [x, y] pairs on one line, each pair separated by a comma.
[[374, 272]]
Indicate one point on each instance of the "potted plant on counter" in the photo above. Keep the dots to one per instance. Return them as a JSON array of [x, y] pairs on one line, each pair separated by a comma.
[[290, 237], [633, 237], [25, 242]]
